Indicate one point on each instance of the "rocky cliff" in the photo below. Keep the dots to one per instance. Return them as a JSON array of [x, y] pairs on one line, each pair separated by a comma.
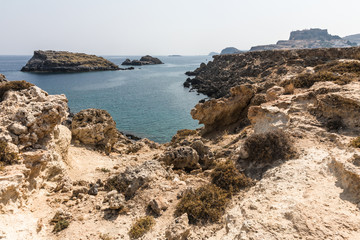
[[61, 61], [276, 159], [355, 38], [310, 38], [267, 68]]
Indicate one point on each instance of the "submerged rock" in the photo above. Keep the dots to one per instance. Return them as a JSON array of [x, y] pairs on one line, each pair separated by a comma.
[[62, 61]]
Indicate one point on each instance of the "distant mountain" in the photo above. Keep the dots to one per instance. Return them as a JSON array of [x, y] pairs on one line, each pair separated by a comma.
[[355, 38], [230, 50], [213, 53], [308, 38]]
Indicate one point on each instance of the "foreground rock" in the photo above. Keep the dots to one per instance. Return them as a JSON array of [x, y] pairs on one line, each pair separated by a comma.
[[95, 127], [2, 78], [62, 61], [145, 60]]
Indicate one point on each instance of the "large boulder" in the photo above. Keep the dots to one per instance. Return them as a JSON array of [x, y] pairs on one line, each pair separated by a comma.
[[95, 127], [224, 111], [2, 78], [133, 178], [185, 158]]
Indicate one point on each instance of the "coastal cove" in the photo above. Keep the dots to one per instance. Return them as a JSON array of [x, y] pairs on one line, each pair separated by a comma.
[[149, 101]]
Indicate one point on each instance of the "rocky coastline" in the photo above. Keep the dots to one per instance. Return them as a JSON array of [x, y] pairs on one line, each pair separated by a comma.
[[62, 61], [145, 60], [277, 158]]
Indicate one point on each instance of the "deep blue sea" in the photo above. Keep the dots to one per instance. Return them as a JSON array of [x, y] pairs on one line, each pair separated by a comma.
[[149, 101]]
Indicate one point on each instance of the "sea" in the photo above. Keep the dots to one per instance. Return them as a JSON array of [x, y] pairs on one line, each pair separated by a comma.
[[149, 101]]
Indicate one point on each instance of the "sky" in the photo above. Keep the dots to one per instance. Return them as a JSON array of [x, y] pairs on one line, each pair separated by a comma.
[[164, 27]]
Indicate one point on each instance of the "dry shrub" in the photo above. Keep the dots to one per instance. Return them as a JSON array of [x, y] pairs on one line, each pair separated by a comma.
[[6, 156], [141, 226], [355, 142], [205, 204], [341, 67], [61, 225], [227, 177], [306, 80], [269, 147], [13, 85]]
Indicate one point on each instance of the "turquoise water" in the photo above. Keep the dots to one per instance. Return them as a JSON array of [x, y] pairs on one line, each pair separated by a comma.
[[149, 101]]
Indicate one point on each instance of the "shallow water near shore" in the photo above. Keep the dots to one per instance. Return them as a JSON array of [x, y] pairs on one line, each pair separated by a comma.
[[149, 101]]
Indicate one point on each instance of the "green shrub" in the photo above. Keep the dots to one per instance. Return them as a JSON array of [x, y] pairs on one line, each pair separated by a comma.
[[141, 226], [205, 204], [355, 142], [6, 156], [269, 147], [227, 177], [61, 225], [13, 85]]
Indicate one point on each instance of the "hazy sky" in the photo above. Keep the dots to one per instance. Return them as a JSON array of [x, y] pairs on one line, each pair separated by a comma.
[[162, 27]]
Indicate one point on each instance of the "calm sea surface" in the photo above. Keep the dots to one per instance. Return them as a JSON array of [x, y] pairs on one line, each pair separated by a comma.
[[149, 101]]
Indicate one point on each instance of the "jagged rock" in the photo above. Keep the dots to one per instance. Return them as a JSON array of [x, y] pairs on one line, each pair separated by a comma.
[[61, 214], [93, 189], [30, 116], [116, 200], [2, 78], [145, 60], [95, 127], [157, 206], [225, 111], [133, 178], [205, 155], [181, 158], [62, 138], [61, 61], [79, 190], [179, 229]]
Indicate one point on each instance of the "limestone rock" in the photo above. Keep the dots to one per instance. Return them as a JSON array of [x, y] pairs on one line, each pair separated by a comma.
[[267, 118], [181, 158], [133, 178], [179, 229], [224, 111], [205, 155], [157, 206], [116, 200], [62, 61], [274, 92], [94, 127]]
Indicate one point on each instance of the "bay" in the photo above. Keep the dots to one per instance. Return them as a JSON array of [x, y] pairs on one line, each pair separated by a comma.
[[149, 101]]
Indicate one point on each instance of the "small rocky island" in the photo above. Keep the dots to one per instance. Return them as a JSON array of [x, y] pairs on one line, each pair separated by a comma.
[[63, 61], [145, 60]]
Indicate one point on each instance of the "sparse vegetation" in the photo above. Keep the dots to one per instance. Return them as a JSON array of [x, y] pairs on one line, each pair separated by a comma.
[[355, 142], [306, 80], [269, 147], [141, 226], [182, 134], [6, 156], [205, 204], [227, 177], [341, 67], [13, 85], [104, 170], [61, 225]]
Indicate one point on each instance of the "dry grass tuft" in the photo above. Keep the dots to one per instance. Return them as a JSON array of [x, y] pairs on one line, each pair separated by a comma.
[[141, 226]]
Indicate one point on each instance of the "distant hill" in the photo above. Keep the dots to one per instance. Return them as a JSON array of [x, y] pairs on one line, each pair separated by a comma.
[[355, 38], [213, 54], [308, 38], [230, 50]]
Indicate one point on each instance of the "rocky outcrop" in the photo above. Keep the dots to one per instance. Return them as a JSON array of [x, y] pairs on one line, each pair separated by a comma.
[[185, 158], [62, 61], [2, 78], [267, 68], [230, 50], [145, 60], [216, 113], [95, 127], [311, 38]]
